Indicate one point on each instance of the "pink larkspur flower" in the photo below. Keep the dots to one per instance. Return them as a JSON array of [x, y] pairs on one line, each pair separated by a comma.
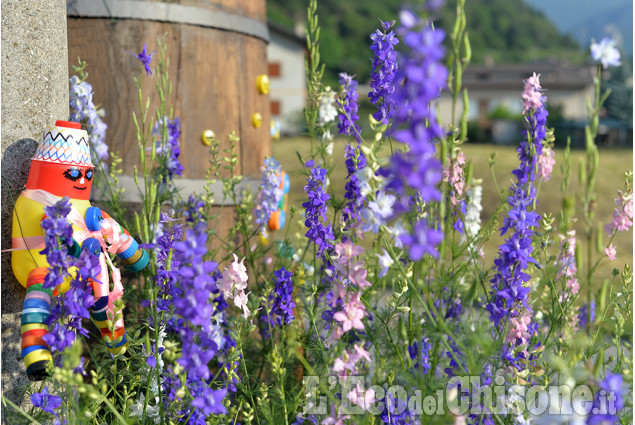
[[358, 275], [610, 252], [238, 270], [233, 283], [355, 271], [518, 328], [453, 174], [352, 315], [567, 268], [348, 361], [240, 301], [623, 213], [361, 353], [344, 362], [532, 97], [546, 161], [347, 250], [363, 399]]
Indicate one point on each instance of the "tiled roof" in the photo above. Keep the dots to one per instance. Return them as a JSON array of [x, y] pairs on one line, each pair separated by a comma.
[[503, 77]]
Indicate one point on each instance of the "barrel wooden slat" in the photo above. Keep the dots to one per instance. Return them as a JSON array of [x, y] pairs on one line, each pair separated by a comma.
[[254, 58], [110, 73], [206, 100], [214, 81]]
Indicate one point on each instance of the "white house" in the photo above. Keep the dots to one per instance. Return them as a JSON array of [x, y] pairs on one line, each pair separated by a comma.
[[288, 94], [493, 87]]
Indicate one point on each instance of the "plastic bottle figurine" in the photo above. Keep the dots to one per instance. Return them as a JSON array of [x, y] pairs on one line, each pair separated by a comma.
[[62, 167], [279, 217]]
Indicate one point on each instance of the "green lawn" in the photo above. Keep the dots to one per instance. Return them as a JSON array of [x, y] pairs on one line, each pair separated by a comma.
[[613, 164]]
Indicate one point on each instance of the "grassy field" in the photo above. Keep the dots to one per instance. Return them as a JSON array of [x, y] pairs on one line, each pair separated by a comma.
[[613, 164]]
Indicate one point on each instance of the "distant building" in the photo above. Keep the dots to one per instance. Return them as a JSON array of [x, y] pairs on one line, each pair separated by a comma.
[[285, 53], [498, 88]]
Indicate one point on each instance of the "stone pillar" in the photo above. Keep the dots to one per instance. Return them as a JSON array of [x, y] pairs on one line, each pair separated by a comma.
[[34, 95]]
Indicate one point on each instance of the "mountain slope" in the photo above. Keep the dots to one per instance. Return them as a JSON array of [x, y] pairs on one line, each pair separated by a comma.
[[501, 31]]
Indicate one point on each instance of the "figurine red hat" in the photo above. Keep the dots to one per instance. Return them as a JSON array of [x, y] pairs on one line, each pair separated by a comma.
[[62, 163]]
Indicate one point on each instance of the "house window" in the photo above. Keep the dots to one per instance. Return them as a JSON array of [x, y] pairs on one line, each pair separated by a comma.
[[274, 69], [275, 107]]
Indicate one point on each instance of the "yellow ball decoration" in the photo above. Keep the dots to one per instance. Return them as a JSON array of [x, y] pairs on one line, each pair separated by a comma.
[[256, 119], [208, 137], [262, 82]]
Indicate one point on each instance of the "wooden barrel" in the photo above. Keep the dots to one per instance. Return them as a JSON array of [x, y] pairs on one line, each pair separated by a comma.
[[217, 49]]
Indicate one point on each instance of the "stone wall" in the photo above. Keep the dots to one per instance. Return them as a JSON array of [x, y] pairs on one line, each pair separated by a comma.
[[34, 95]]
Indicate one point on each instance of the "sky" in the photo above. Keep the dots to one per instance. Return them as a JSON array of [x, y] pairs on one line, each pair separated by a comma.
[[587, 19]]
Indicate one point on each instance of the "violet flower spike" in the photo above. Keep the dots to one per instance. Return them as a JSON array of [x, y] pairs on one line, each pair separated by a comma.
[[320, 229], [355, 161], [145, 58], [270, 193], [348, 104], [83, 109], [45, 401], [168, 150], [419, 81], [384, 69], [509, 296]]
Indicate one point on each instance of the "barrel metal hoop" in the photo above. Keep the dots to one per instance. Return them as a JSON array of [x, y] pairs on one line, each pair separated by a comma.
[[186, 187], [168, 12]]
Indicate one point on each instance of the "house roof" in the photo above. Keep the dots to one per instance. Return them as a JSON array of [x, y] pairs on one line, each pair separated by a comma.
[[552, 76], [286, 32]]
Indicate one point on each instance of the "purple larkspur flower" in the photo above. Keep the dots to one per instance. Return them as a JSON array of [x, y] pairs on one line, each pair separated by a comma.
[[192, 209], [145, 58], [395, 410], [306, 420], [355, 161], [168, 149], [419, 352], [204, 399], [508, 289], [455, 354], [59, 337], [586, 315], [448, 306], [168, 262], [282, 297], [200, 333], [348, 104], [419, 80], [195, 308], [211, 401], [270, 193], [83, 110], [509, 295], [68, 309], [485, 418], [334, 306], [608, 402], [320, 230], [384, 70], [423, 240], [58, 237], [46, 401]]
